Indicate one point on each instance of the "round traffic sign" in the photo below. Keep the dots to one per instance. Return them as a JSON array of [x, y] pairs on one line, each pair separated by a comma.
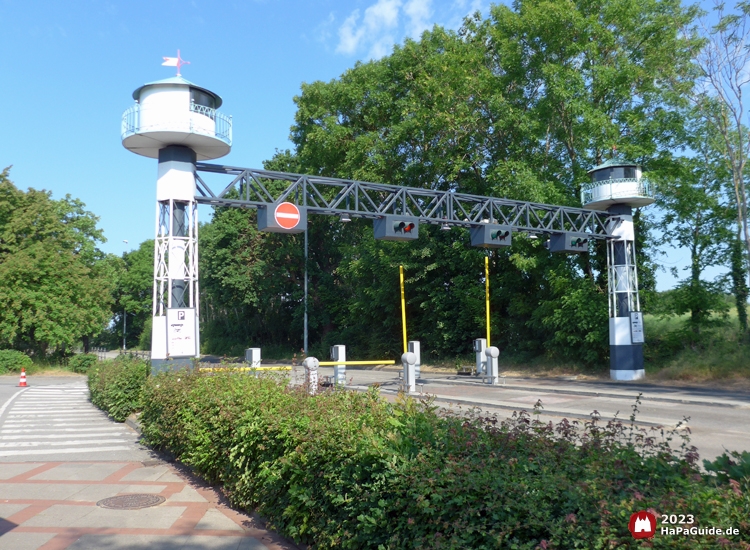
[[287, 215]]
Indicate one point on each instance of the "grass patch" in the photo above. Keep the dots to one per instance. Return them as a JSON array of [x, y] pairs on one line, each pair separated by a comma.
[[718, 354]]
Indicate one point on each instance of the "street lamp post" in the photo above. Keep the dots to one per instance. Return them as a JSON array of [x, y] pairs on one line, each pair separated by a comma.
[[124, 319], [124, 327]]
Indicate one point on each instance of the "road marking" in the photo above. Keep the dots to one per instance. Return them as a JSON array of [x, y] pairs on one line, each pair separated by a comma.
[[98, 433], [17, 431], [9, 401], [58, 443], [60, 436], [64, 451]]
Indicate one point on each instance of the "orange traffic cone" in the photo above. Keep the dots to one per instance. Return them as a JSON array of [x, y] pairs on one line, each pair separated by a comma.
[[22, 383]]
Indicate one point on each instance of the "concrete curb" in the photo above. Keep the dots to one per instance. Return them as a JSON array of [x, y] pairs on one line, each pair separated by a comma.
[[134, 423]]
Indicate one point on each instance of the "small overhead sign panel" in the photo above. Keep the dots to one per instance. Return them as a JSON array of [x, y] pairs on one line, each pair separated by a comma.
[[489, 235], [396, 228], [569, 242], [284, 217]]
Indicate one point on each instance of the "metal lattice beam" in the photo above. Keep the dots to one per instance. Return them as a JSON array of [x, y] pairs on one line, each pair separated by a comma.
[[251, 188]]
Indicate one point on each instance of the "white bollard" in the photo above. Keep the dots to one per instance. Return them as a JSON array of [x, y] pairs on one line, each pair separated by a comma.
[[338, 353], [414, 348], [492, 354], [252, 356], [311, 365], [480, 344], [408, 360]]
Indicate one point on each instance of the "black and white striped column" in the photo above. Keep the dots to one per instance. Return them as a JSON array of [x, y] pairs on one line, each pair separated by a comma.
[[625, 317]]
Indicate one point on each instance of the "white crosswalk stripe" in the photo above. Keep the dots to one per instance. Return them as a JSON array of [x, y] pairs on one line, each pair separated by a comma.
[[59, 419]]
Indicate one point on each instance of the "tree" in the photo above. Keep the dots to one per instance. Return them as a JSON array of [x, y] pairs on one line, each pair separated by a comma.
[[723, 65], [53, 288], [696, 218], [133, 294]]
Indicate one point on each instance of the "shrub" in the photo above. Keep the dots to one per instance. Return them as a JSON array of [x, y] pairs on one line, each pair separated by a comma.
[[116, 386], [82, 363], [12, 361], [350, 470]]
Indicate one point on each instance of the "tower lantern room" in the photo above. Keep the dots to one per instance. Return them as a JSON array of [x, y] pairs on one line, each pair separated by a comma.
[[616, 181], [174, 111]]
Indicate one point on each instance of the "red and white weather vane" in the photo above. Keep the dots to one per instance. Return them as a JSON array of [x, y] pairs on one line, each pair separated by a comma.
[[175, 62]]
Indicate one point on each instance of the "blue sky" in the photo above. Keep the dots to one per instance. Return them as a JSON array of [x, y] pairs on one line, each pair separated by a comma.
[[68, 69]]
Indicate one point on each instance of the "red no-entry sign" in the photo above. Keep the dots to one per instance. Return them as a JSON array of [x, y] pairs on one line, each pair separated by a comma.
[[287, 215]]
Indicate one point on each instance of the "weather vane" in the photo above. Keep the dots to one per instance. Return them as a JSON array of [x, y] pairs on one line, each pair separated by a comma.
[[175, 62]]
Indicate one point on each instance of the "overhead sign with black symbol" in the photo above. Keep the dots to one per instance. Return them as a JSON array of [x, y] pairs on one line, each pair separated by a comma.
[[489, 235], [396, 228], [284, 217], [569, 242]]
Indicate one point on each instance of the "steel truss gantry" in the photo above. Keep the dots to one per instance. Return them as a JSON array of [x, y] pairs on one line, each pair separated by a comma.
[[251, 188]]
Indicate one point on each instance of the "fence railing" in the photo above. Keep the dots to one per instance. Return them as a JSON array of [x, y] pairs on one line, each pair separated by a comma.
[[616, 188], [181, 121]]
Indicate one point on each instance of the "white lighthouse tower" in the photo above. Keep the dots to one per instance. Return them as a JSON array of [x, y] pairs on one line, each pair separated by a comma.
[[618, 186], [177, 122]]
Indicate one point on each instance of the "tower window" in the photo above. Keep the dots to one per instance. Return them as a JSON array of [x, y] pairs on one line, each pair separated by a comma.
[[630, 171], [202, 98]]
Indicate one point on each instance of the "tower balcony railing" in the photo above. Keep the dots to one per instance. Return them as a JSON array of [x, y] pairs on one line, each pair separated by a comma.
[[197, 119], [616, 188]]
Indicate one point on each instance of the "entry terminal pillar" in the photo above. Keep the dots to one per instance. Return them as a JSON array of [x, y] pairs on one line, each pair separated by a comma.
[[414, 348], [492, 354], [338, 353], [408, 360], [311, 365], [480, 344], [252, 356]]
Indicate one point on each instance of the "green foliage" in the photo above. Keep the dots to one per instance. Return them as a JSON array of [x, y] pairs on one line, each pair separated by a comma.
[[517, 105], [116, 386], [731, 466], [81, 363], [53, 284], [351, 470], [13, 360]]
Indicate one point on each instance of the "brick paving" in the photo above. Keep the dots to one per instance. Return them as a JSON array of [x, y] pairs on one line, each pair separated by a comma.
[[52, 506]]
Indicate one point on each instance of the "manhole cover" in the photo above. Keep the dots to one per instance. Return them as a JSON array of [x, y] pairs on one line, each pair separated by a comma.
[[131, 502]]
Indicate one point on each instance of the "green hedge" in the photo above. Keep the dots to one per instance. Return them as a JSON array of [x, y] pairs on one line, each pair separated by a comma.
[[81, 363], [116, 386], [12, 361], [350, 470]]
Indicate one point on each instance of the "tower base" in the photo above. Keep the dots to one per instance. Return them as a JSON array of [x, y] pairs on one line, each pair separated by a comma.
[[626, 362]]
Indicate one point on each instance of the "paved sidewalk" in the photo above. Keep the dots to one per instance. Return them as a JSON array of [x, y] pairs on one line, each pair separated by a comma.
[[60, 457], [53, 506]]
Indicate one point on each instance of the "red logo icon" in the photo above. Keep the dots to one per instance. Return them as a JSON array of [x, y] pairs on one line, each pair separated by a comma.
[[642, 525]]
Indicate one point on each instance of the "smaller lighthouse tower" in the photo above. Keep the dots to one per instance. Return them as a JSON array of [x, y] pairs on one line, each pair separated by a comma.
[[618, 186], [176, 122]]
